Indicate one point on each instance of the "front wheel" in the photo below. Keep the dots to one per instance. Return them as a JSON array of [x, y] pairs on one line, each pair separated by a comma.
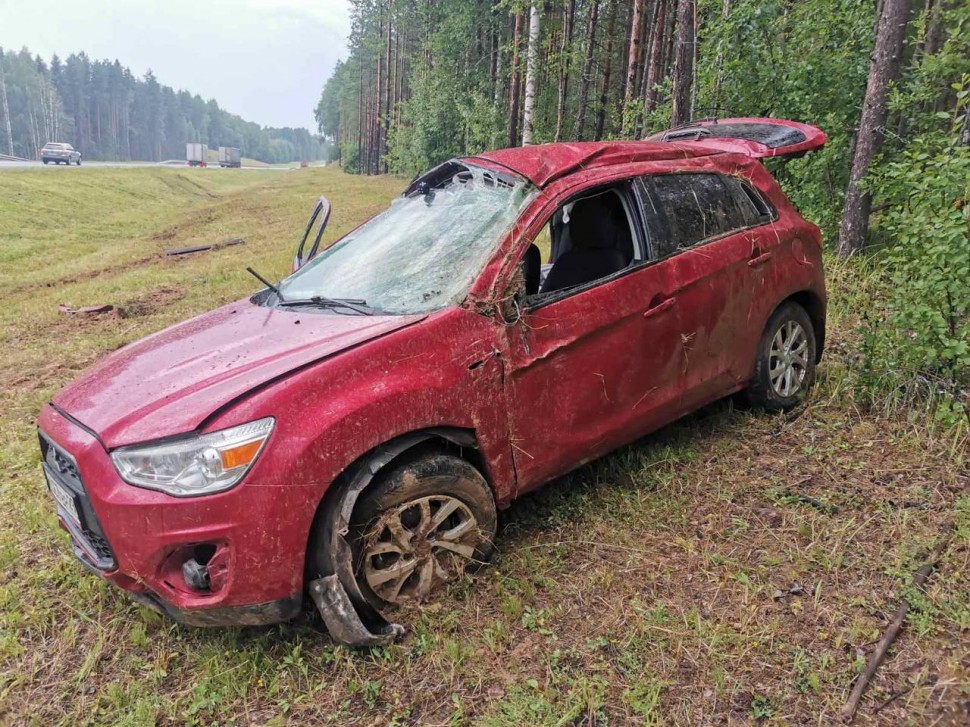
[[79, 161], [785, 366], [421, 525]]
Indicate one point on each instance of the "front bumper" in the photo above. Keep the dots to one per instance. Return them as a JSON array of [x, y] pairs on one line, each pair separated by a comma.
[[251, 536]]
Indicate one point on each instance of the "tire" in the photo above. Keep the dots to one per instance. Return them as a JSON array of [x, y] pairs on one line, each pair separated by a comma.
[[784, 369], [394, 566], [46, 161], [79, 161]]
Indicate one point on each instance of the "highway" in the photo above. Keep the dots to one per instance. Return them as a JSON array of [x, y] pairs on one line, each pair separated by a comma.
[[34, 164]]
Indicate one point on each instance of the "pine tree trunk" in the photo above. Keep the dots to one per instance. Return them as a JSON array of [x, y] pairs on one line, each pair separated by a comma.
[[719, 61], [607, 68], [587, 70], [883, 69], [654, 65], [532, 62], [683, 63], [669, 36], [565, 55], [649, 9], [360, 115], [6, 113], [378, 116], [493, 66], [387, 94], [934, 29], [515, 85], [632, 61]]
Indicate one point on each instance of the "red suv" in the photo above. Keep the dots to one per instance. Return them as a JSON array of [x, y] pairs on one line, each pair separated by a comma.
[[352, 430]]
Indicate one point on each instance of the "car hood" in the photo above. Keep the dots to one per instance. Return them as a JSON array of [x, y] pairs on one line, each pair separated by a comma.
[[170, 382]]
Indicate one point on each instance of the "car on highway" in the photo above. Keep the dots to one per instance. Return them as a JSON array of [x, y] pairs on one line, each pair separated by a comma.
[[60, 154], [352, 431]]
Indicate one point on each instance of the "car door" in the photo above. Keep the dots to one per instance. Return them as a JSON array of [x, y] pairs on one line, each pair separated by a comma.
[[591, 369], [699, 225]]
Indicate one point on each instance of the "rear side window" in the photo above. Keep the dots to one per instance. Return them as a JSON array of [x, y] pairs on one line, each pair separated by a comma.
[[753, 207], [682, 210]]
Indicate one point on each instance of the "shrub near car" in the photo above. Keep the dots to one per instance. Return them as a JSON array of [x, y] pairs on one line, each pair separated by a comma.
[[351, 431], [60, 153]]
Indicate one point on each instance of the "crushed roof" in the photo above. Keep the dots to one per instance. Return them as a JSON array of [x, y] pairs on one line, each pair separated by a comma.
[[544, 163]]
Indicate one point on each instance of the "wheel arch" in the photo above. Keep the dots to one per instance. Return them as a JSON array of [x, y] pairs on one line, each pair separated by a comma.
[[359, 474], [815, 307], [331, 519]]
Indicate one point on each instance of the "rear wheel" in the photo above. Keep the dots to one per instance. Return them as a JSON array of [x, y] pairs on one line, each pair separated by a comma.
[[420, 525], [785, 367]]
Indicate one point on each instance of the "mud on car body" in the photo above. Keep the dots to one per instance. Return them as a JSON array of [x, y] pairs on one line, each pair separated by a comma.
[[351, 431]]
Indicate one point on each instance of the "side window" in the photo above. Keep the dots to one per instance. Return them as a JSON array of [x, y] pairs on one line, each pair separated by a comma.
[[681, 210], [753, 207], [590, 237]]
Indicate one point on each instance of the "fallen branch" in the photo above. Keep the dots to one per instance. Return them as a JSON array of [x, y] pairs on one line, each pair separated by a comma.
[[86, 310], [203, 248], [849, 710]]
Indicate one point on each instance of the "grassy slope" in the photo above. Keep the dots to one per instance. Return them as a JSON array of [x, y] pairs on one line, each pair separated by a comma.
[[638, 589]]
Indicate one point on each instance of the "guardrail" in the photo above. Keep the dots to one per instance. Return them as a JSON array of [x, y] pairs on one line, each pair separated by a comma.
[[8, 158]]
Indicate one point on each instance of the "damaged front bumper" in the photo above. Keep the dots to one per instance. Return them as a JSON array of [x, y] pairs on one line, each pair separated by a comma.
[[343, 621], [140, 540]]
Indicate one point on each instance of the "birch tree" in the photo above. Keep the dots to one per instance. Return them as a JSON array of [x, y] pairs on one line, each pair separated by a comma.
[[532, 63]]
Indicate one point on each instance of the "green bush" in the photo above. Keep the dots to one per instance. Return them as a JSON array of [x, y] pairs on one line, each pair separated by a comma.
[[919, 341]]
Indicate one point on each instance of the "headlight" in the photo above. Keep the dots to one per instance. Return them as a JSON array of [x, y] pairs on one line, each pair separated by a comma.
[[196, 465]]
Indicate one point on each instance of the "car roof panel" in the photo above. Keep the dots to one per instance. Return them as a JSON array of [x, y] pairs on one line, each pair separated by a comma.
[[542, 164]]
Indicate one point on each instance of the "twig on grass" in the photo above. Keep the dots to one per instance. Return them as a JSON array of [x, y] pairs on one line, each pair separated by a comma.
[[849, 710], [204, 248]]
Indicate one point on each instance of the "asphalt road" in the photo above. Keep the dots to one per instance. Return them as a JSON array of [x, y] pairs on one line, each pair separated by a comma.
[[109, 165]]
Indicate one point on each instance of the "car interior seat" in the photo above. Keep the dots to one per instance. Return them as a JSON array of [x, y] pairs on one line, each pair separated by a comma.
[[601, 243]]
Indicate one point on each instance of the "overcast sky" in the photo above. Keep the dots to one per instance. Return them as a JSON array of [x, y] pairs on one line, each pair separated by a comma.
[[265, 60]]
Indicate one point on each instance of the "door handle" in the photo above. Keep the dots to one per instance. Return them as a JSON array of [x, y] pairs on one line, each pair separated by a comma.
[[659, 308], [760, 260]]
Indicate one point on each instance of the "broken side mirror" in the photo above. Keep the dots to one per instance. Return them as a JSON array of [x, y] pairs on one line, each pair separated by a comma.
[[319, 219]]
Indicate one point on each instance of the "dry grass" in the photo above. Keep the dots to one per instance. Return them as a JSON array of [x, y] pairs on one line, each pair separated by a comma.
[[735, 568]]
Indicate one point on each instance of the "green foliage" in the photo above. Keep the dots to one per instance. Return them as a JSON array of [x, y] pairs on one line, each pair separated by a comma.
[[917, 338], [804, 61], [922, 330]]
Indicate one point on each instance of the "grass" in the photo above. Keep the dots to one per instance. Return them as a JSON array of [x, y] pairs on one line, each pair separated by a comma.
[[685, 579]]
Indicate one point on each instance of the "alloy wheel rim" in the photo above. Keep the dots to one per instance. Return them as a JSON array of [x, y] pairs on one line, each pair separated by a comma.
[[415, 547], [788, 359]]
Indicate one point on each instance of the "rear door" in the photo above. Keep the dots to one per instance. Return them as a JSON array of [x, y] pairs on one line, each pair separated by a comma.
[[696, 222], [756, 137]]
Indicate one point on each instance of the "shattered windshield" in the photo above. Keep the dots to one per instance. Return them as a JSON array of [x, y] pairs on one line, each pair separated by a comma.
[[425, 250]]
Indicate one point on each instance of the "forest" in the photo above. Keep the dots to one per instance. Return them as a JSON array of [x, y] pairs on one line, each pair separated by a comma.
[[888, 82], [110, 114]]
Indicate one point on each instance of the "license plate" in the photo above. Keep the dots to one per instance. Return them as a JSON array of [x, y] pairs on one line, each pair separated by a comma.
[[64, 498]]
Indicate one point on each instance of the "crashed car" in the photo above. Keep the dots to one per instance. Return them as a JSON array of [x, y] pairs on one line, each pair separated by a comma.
[[351, 431]]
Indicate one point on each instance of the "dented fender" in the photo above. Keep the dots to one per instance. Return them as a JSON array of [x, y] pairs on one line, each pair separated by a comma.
[[349, 617]]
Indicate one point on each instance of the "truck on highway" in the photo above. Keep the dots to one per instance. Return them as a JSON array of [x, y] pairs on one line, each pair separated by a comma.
[[229, 156], [197, 155]]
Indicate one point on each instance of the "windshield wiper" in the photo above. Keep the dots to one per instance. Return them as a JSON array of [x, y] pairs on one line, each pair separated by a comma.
[[265, 282], [353, 304]]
